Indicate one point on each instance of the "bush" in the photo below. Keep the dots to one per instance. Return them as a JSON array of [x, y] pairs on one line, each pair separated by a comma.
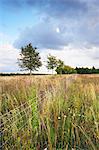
[[65, 70]]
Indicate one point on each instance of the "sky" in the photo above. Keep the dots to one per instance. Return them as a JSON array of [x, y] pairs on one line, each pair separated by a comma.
[[67, 29]]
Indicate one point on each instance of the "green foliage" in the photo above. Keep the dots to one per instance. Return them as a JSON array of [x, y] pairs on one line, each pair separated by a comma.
[[65, 70], [82, 70], [51, 62], [60, 63], [30, 59]]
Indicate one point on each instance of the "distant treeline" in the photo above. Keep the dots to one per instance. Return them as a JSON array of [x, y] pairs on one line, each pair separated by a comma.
[[69, 70], [19, 74], [82, 70], [61, 70]]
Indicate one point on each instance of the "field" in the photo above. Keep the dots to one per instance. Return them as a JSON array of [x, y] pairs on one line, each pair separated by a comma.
[[58, 112]]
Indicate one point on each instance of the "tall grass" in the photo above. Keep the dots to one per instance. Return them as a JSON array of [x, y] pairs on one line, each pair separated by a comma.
[[54, 112]]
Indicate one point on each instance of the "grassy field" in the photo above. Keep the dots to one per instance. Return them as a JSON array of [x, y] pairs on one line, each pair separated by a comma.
[[59, 112]]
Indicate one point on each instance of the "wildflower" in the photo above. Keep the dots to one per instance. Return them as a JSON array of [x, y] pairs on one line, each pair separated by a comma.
[[64, 116], [74, 115], [59, 118]]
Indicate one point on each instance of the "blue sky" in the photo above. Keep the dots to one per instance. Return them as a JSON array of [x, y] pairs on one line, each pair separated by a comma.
[[68, 29]]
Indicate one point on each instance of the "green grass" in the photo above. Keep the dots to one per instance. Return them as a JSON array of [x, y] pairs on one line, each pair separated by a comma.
[[53, 112]]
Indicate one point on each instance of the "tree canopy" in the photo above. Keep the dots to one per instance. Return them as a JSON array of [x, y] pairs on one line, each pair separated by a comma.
[[65, 70], [30, 59], [87, 70], [51, 62]]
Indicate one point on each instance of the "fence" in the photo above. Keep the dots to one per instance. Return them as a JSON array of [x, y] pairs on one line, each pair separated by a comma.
[[22, 127], [16, 126]]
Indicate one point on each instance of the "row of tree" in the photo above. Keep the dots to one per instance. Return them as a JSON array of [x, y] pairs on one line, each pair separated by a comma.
[[30, 60], [86, 70]]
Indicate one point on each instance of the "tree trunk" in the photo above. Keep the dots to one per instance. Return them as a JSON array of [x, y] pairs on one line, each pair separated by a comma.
[[52, 71], [30, 72]]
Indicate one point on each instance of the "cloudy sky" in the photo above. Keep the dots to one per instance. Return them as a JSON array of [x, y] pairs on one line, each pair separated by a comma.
[[68, 29]]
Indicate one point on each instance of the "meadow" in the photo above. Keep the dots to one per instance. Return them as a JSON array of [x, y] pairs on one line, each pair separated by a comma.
[[53, 112]]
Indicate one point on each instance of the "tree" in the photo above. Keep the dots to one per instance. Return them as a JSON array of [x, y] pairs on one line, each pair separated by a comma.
[[60, 63], [30, 59], [51, 62], [87, 70], [60, 66], [65, 70]]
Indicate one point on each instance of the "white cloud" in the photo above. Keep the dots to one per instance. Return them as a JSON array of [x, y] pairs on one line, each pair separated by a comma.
[[70, 56], [76, 57], [8, 58]]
